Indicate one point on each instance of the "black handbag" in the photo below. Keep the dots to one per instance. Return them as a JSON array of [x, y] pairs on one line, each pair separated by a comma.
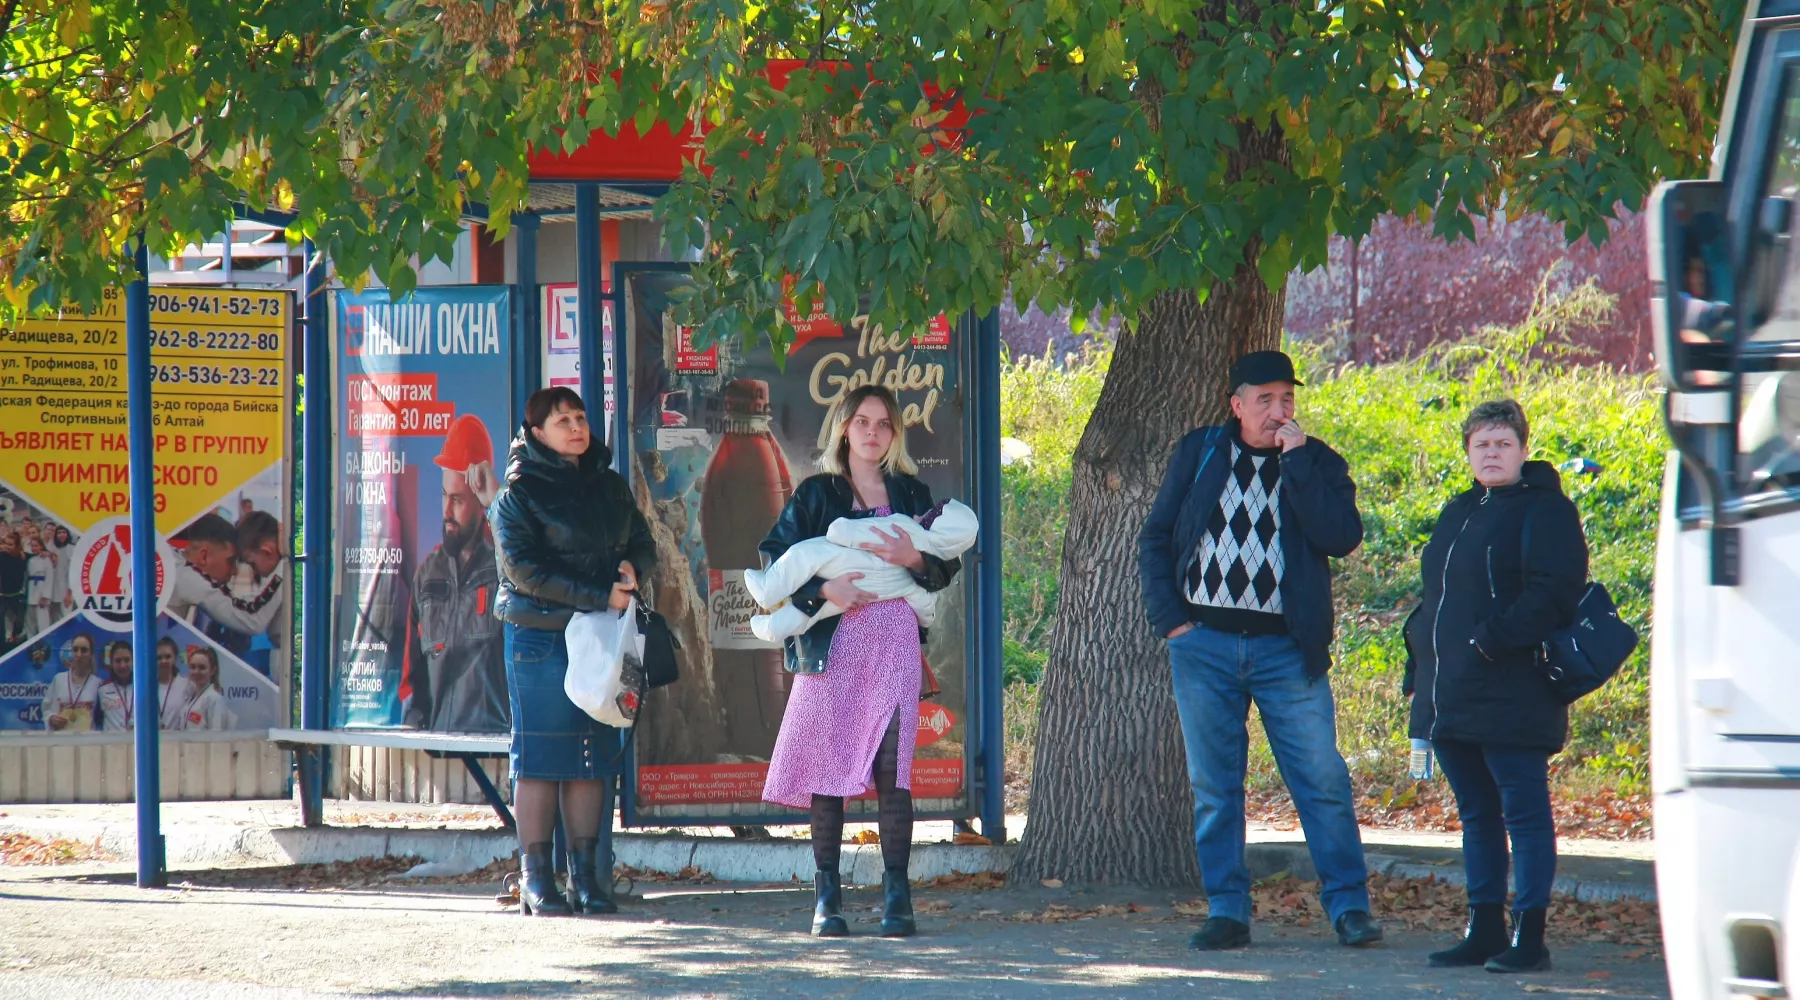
[[660, 644], [1581, 658]]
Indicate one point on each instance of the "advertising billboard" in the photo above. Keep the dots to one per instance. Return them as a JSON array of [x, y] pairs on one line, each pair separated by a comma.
[[719, 439], [423, 421], [221, 416]]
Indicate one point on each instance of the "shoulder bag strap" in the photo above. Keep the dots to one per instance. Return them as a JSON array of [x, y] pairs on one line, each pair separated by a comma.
[[1212, 441]]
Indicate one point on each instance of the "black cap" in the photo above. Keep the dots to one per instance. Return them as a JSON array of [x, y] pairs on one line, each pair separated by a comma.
[[1263, 367]]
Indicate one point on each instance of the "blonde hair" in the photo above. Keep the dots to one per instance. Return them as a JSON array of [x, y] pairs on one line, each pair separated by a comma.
[[834, 439]]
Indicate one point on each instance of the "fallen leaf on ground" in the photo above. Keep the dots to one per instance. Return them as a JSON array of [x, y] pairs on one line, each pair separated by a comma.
[[1052, 883], [866, 837], [19, 849], [972, 840]]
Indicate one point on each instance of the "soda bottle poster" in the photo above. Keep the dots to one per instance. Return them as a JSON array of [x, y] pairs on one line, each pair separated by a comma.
[[423, 422], [720, 437], [220, 407]]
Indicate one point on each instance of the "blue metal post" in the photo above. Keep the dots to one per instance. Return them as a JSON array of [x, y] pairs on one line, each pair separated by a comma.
[[993, 720], [588, 304], [151, 871], [621, 424], [528, 347], [315, 594]]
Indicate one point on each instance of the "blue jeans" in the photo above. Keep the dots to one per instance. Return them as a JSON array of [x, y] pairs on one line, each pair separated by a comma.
[[1503, 790], [1217, 675]]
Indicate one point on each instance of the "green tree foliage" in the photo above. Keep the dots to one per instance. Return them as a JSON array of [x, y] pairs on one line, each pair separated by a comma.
[[375, 122], [1114, 152]]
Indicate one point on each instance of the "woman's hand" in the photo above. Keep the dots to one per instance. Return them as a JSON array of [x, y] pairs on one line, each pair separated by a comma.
[[627, 585], [844, 592], [898, 550]]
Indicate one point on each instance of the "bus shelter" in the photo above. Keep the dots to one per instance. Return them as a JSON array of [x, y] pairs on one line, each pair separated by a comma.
[[403, 405]]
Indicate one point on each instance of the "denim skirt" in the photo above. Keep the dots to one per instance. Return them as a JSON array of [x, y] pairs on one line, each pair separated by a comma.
[[552, 740]]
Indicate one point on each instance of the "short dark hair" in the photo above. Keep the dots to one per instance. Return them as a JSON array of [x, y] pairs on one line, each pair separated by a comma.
[[209, 527], [546, 401], [171, 643], [257, 527], [1498, 413]]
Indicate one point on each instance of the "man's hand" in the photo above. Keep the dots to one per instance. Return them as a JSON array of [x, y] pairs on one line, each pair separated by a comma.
[[57, 721], [1290, 436], [1178, 633], [483, 483]]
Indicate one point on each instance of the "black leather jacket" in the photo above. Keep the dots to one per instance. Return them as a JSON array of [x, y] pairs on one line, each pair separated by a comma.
[[816, 503], [560, 531]]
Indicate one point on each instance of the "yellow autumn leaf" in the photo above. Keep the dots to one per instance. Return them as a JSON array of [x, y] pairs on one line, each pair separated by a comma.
[[1562, 140], [284, 195]]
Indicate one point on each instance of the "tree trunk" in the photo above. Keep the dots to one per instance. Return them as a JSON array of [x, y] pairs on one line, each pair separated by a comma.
[[1110, 798]]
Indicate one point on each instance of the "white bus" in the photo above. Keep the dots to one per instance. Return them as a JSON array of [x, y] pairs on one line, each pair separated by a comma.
[[1725, 648]]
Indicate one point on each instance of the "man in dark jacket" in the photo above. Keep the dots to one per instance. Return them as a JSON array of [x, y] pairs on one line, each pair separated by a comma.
[[457, 664], [1234, 562]]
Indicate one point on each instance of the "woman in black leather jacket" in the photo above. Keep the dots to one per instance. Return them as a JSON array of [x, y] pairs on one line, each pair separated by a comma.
[[1505, 568], [853, 715], [568, 537]]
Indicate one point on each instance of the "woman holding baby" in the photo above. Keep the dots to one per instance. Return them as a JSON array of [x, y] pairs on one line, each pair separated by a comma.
[[852, 717]]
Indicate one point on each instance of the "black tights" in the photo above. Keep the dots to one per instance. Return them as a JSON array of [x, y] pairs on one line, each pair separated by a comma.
[[535, 806], [896, 811]]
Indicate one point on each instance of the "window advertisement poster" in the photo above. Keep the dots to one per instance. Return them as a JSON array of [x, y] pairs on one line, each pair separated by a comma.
[[220, 415], [720, 438], [562, 342], [423, 424]]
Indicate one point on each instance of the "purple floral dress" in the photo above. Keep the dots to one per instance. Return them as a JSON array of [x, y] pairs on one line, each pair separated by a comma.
[[835, 720]]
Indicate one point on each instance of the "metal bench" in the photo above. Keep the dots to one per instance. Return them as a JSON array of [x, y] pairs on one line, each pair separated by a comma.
[[466, 747]]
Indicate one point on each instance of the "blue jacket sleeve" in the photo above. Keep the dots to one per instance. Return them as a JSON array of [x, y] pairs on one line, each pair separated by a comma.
[[1163, 600], [1319, 498]]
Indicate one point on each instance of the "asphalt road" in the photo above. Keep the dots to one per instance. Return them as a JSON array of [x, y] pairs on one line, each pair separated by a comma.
[[96, 937]]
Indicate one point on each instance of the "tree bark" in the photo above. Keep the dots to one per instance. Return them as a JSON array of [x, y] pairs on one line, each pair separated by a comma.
[[1110, 796]]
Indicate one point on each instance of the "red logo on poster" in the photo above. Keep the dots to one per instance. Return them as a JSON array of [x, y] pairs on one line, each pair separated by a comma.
[[101, 580], [691, 362], [934, 722], [937, 334]]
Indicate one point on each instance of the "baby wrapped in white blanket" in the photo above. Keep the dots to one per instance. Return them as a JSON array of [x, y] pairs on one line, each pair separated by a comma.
[[946, 531]]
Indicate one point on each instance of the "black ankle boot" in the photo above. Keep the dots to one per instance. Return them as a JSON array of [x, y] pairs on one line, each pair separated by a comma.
[[537, 884], [1527, 953], [1485, 938], [896, 911], [590, 889], [828, 906]]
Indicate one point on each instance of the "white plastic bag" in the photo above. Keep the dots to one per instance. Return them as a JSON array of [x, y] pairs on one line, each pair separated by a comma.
[[605, 678]]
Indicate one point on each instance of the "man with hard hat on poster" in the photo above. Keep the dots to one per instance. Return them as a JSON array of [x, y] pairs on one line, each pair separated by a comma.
[[456, 665]]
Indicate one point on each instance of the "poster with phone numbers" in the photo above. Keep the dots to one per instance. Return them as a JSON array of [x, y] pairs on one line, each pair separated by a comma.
[[221, 417]]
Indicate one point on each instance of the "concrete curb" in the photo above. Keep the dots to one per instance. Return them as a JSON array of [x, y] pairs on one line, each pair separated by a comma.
[[727, 860], [1266, 860]]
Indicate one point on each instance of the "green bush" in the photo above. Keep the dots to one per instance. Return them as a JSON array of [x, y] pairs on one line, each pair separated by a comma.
[[1398, 425]]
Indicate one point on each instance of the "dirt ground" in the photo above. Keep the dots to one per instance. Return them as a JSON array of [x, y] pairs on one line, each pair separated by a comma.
[[84, 931]]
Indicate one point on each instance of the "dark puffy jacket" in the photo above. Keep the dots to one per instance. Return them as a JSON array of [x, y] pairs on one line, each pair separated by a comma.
[[560, 531], [1472, 667], [816, 503], [1319, 520]]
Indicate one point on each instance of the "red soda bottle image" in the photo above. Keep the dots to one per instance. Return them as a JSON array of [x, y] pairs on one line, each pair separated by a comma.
[[747, 485]]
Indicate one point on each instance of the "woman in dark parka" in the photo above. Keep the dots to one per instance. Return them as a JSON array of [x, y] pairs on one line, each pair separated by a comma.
[[1505, 568], [568, 537]]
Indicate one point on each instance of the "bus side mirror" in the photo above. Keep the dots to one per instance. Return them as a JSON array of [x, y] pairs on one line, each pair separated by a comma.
[[1691, 283]]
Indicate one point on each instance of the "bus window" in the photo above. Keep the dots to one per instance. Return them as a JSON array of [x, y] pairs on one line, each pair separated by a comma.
[[1774, 286]]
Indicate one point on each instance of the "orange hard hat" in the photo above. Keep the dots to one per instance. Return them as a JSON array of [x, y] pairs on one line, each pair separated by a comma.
[[466, 444]]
